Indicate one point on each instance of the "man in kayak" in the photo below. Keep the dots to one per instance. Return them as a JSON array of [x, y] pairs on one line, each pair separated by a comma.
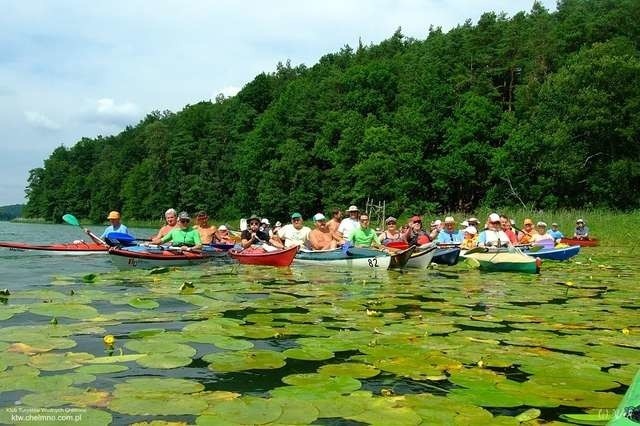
[[171, 218], [254, 237], [416, 235], [321, 238], [203, 227], [349, 224], [116, 226], [555, 232], [365, 236], [449, 234], [294, 233], [493, 236], [582, 231], [183, 235]]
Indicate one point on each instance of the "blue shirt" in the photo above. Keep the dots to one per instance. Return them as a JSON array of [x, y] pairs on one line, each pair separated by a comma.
[[110, 228], [556, 235], [444, 237]]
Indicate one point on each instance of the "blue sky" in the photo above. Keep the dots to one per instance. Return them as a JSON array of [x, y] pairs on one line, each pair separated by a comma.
[[73, 69]]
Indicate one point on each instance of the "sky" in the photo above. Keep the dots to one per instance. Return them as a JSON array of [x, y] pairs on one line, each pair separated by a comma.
[[71, 69]]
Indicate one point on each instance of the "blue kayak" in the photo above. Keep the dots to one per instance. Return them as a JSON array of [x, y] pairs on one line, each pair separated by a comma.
[[560, 253]]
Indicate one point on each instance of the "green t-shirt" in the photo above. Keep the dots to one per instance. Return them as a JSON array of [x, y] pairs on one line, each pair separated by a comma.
[[183, 237], [364, 237]]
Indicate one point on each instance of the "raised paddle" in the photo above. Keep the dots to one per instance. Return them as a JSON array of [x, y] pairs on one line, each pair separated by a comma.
[[71, 220]]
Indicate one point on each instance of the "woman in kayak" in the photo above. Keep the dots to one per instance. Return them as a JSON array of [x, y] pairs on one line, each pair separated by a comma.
[[183, 235]]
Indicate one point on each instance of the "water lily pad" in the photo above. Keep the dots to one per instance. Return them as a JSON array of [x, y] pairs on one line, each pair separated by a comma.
[[309, 353], [244, 360], [157, 403], [350, 369], [115, 358], [164, 361], [57, 362], [141, 303], [156, 384], [102, 369], [9, 311], [66, 310], [249, 410]]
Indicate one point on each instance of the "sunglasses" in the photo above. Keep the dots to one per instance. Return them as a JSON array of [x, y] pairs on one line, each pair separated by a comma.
[[184, 221], [254, 223], [391, 223]]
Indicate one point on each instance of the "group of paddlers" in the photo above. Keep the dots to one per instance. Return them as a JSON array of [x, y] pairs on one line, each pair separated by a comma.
[[354, 229]]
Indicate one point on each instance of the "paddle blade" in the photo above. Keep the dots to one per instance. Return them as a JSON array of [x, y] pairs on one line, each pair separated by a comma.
[[71, 219], [121, 238]]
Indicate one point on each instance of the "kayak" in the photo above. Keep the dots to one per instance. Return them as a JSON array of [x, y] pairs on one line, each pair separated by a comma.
[[421, 258], [560, 253], [58, 248], [147, 257], [591, 242], [446, 256], [628, 412], [266, 258], [503, 261], [350, 258]]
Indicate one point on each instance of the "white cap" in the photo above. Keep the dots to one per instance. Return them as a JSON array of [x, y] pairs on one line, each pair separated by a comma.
[[222, 228], [493, 217], [265, 221], [437, 222], [278, 223], [449, 219], [471, 230], [318, 216], [541, 224]]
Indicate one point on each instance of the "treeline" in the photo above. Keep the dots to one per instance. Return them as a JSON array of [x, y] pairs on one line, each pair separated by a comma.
[[11, 212], [540, 110]]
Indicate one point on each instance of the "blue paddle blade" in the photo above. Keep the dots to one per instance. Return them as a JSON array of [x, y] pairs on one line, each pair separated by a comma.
[[121, 238]]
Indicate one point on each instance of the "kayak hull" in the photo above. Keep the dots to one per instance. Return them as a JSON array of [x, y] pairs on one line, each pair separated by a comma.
[[266, 258], [505, 262], [592, 242], [140, 257], [561, 253], [421, 257], [446, 256], [352, 258], [628, 412], [69, 249]]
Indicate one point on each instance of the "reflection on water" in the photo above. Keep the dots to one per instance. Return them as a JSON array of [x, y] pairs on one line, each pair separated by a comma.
[[316, 345]]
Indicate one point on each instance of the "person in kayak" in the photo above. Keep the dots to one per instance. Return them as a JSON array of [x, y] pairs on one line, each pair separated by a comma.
[[254, 237], [321, 238], [116, 226], [416, 235], [294, 233], [493, 236], [582, 231], [365, 236], [203, 227], [183, 235], [392, 234], [449, 234], [556, 233], [171, 219]]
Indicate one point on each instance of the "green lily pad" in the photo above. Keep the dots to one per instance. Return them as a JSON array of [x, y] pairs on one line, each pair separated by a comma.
[[57, 362], [157, 403], [249, 410], [308, 353], [66, 310], [141, 303], [102, 369], [244, 360], [164, 361]]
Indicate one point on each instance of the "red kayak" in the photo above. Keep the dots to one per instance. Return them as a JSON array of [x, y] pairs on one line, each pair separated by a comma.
[[147, 257], [591, 242], [59, 248], [266, 258]]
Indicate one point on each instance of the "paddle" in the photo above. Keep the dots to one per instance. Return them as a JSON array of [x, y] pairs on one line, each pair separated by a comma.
[[124, 238], [71, 220], [477, 250]]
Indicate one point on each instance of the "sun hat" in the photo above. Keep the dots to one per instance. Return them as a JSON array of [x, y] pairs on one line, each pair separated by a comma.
[[253, 217], [265, 221], [318, 216], [494, 217], [296, 215], [527, 221], [113, 215], [278, 223], [471, 230], [464, 223], [449, 219], [473, 219], [390, 219], [222, 228], [184, 215], [554, 224], [580, 221], [541, 224], [352, 208]]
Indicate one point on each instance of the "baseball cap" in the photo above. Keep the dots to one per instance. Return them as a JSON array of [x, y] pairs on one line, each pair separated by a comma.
[[113, 215], [318, 216]]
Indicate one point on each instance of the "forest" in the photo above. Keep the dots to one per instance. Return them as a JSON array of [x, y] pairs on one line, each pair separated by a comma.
[[539, 110]]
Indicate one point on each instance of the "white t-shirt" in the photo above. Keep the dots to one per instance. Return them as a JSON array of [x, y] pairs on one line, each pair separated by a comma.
[[347, 226], [292, 236]]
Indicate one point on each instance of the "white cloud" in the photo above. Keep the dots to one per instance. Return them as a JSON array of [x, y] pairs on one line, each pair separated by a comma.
[[106, 111], [40, 121]]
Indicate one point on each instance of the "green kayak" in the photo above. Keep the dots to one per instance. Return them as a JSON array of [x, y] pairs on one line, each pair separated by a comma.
[[628, 412], [502, 261]]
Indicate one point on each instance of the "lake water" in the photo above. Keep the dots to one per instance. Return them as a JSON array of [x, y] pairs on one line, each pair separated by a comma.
[[227, 344]]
